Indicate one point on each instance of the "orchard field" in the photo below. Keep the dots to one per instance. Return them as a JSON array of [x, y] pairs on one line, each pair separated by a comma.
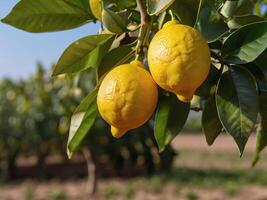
[[198, 173]]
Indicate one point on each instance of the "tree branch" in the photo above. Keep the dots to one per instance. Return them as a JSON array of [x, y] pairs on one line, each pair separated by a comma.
[[144, 30], [145, 18]]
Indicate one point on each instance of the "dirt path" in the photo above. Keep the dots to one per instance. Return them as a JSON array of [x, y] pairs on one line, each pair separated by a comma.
[[198, 142]]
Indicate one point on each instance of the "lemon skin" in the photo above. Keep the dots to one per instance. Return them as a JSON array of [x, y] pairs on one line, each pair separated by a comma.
[[179, 59], [127, 97]]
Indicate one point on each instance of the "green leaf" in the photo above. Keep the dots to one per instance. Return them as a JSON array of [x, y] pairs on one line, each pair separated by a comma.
[[245, 44], [211, 124], [187, 11], [114, 22], [237, 104], [245, 7], [121, 4], [213, 77], [84, 53], [124, 4], [115, 57], [262, 130], [259, 75], [170, 118], [211, 24], [82, 121], [156, 7], [48, 15], [239, 21], [83, 4], [261, 63]]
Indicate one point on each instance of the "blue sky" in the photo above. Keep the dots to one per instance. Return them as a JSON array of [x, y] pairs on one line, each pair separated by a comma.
[[20, 51]]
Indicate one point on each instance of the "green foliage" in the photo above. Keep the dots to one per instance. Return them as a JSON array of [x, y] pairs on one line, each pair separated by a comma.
[[169, 121], [48, 15], [35, 118], [231, 188], [121, 4], [262, 129], [29, 193], [156, 7], [239, 21], [245, 44], [30, 114], [187, 11], [111, 193], [211, 124], [57, 194], [82, 121], [115, 57], [236, 32], [211, 23], [113, 21], [83, 54], [212, 79], [191, 196], [237, 112], [129, 192]]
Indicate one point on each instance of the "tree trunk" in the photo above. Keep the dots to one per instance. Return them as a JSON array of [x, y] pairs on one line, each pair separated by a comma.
[[91, 162], [41, 156], [9, 167]]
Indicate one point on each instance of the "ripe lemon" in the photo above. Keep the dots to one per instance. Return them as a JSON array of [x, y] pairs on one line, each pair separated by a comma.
[[96, 8], [179, 59], [127, 97]]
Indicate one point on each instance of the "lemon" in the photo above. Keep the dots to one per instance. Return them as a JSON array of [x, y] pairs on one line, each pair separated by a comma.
[[127, 97], [96, 8], [179, 59]]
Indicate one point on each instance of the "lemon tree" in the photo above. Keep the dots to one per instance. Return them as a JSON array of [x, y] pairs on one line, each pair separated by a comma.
[[213, 50]]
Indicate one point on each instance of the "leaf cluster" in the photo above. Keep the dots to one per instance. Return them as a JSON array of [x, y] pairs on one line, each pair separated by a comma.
[[232, 98]]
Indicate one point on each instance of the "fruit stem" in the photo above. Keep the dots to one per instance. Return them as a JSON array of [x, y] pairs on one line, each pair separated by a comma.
[[196, 109], [144, 31], [172, 15]]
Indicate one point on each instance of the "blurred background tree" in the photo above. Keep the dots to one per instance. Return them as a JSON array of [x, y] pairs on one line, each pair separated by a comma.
[[34, 120]]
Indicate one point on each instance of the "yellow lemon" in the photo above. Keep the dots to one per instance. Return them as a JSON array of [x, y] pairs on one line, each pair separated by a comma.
[[179, 59], [96, 8], [127, 97]]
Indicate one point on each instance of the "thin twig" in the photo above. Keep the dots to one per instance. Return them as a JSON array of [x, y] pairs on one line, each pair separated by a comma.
[[145, 28], [172, 15], [196, 109], [145, 19]]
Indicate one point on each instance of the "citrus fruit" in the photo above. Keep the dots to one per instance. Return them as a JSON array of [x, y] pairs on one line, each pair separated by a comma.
[[96, 8], [127, 97], [179, 59]]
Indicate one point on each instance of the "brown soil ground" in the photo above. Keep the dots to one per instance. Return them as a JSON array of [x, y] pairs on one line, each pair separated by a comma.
[[194, 155]]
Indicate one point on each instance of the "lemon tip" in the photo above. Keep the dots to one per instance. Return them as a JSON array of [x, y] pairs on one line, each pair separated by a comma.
[[117, 132], [183, 98]]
